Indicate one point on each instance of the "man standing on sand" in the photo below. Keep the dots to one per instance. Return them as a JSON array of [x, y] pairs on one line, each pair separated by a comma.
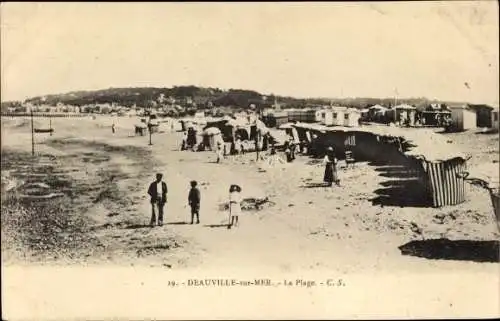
[[158, 193]]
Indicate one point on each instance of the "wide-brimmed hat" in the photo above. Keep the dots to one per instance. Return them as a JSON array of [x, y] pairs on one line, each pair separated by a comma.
[[235, 187]]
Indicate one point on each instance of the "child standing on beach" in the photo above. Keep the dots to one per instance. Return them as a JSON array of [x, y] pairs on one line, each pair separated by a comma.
[[234, 205], [194, 199]]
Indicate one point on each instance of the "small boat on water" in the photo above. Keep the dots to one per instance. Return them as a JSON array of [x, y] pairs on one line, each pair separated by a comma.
[[44, 130]]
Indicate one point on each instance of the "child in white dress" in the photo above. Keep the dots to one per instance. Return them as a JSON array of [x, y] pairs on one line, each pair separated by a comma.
[[234, 205]]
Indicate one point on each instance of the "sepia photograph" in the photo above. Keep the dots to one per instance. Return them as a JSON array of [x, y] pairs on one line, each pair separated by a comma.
[[268, 160]]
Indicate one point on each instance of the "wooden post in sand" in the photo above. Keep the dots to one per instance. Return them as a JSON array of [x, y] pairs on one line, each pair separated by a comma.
[[150, 127], [257, 139], [32, 135]]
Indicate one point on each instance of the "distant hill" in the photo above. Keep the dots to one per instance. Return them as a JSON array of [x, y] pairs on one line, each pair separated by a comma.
[[201, 96], [143, 96]]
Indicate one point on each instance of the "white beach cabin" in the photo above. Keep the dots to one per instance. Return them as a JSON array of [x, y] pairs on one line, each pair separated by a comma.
[[351, 117], [326, 117], [494, 118], [462, 117]]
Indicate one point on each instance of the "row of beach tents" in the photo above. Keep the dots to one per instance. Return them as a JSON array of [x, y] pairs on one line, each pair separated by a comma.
[[437, 165]]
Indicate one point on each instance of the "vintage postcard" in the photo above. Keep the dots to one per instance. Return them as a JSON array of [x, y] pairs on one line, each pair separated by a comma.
[[302, 160]]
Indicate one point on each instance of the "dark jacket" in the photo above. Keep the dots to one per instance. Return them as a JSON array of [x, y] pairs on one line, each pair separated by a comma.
[[154, 194], [194, 196]]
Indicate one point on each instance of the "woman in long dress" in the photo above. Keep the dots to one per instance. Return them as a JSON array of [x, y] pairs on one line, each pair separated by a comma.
[[288, 151], [234, 205], [184, 141], [330, 162], [265, 141], [237, 146]]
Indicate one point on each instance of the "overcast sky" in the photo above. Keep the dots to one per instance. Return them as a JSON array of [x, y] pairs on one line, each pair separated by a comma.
[[325, 49]]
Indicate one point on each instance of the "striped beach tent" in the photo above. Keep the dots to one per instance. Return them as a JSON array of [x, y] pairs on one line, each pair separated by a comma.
[[446, 181]]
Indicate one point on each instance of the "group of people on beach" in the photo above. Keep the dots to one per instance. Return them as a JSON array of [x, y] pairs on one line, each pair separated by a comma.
[[237, 148], [158, 191], [158, 194]]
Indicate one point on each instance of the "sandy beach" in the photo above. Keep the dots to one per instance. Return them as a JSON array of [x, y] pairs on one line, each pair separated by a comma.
[[95, 224], [103, 217]]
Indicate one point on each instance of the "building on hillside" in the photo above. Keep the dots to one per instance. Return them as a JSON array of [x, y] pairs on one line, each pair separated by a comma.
[[462, 117], [483, 114], [188, 100], [86, 109]]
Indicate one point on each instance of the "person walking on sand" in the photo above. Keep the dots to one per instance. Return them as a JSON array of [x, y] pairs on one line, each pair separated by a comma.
[[237, 148], [242, 148], [194, 199], [288, 153], [219, 152], [330, 162], [234, 205], [274, 158], [158, 192], [113, 128], [293, 147], [184, 141]]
